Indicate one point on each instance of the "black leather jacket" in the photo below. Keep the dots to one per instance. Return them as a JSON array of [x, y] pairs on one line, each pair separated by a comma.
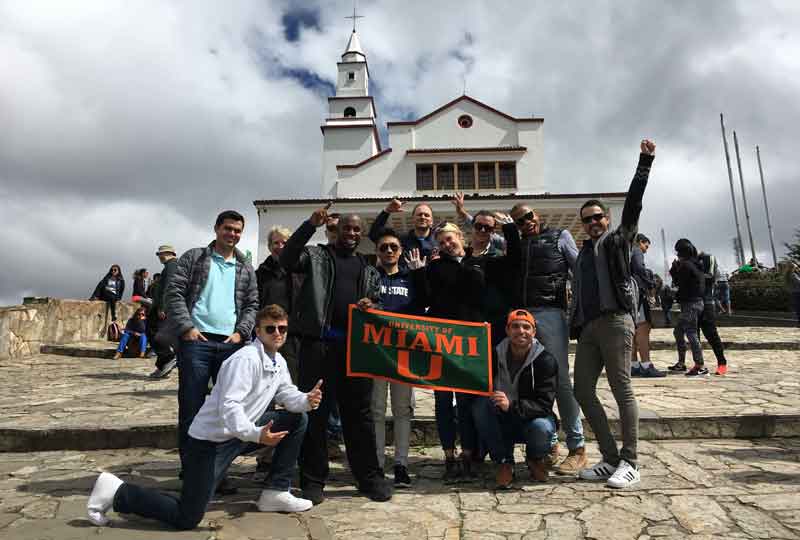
[[312, 315]]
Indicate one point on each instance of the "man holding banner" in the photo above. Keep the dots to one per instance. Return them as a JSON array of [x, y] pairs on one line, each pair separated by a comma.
[[335, 278]]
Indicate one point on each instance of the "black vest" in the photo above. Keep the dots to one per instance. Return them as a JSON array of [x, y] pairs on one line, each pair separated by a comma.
[[545, 271]]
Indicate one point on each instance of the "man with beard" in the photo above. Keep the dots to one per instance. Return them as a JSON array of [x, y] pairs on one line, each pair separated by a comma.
[[547, 256], [335, 276], [601, 317], [420, 237]]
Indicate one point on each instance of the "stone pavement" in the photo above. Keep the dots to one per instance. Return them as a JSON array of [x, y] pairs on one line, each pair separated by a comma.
[[697, 489], [62, 402]]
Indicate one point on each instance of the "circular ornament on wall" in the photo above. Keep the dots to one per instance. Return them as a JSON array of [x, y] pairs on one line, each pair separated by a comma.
[[465, 121]]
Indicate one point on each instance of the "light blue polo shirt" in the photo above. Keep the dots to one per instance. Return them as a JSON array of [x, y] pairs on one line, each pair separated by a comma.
[[215, 309]]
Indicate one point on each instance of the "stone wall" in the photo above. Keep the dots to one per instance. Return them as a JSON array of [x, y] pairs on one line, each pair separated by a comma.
[[24, 329]]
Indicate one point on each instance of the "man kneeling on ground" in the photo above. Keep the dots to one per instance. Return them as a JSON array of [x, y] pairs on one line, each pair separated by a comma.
[[521, 407], [234, 420]]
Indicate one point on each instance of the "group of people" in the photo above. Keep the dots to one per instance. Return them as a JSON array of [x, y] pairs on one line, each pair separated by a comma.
[[296, 305]]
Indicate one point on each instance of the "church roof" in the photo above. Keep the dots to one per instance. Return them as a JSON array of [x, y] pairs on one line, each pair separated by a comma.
[[461, 98], [445, 197], [484, 149], [354, 46]]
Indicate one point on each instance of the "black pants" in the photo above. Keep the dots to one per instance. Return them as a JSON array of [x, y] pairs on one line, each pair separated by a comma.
[[111, 301], [163, 350], [707, 323], [326, 361]]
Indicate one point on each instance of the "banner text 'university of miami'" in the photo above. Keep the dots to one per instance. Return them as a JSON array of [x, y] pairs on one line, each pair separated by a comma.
[[439, 354]]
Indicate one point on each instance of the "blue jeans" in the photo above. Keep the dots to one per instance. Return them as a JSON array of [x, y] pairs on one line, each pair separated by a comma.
[[206, 464], [123, 342], [501, 430], [552, 331], [198, 362]]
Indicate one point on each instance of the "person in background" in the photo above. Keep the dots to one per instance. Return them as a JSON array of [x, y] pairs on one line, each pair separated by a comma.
[[689, 278], [152, 286], [136, 327], [707, 322], [139, 284], [162, 343], [110, 289], [667, 295], [724, 293], [643, 367]]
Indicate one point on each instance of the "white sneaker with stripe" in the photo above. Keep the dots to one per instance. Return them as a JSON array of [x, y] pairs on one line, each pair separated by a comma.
[[626, 475], [600, 471]]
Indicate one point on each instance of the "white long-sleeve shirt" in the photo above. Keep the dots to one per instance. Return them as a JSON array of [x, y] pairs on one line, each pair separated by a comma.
[[247, 383]]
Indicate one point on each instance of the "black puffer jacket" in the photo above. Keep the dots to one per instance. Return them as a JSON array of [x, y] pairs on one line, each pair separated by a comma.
[[453, 289], [313, 315], [689, 279]]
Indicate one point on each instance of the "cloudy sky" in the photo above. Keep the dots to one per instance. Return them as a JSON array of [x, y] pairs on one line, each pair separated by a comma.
[[128, 124]]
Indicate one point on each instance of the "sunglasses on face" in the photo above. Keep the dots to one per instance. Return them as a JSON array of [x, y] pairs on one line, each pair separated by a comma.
[[270, 328], [383, 248], [483, 227], [522, 220], [594, 217]]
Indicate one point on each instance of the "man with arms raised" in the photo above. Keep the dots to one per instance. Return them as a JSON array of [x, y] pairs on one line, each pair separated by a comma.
[[420, 237], [604, 304], [335, 276], [235, 419]]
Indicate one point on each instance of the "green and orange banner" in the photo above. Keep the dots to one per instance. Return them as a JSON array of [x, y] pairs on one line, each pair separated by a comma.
[[439, 354]]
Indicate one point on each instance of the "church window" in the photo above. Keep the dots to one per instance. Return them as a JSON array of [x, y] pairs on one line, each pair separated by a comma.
[[508, 175], [444, 176], [349, 112], [466, 176], [424, 177], [486, 175], [351, 75], [465, 121]]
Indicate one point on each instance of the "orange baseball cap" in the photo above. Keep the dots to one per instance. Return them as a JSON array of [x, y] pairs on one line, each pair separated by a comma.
[[521, 315]]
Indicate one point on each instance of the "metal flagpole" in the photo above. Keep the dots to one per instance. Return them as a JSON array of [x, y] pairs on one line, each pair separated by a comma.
[[766, 208], [733, 193], [744, 199]]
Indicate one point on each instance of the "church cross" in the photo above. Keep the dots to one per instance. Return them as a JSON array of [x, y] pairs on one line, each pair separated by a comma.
[[354, 16]]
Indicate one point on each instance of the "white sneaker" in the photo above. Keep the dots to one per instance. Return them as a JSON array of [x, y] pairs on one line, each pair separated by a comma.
[[600, 471], [282, 501], [102, 498], [626, 475]]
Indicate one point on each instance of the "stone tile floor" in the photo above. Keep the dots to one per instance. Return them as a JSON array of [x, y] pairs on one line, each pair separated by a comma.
[[690, 489], [59, 391]]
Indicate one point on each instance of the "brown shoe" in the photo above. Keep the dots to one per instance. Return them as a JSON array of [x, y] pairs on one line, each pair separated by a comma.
[[117, 355], [504, 475], [575, 462], [552, 458], [538, 469]]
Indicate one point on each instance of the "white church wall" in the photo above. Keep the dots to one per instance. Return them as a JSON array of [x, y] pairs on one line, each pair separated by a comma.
[[342, 146], [363, 107], [488, 129], [530, 169], [355, 87]]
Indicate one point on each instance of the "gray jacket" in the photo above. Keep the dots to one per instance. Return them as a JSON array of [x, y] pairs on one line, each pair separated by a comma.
[[188, 281]]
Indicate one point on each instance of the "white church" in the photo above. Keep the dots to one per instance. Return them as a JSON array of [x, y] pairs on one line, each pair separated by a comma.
[[495, 159]]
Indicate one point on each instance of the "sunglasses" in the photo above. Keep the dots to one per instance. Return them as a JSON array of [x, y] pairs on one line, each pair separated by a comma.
[[594, 217], [270, 328], [383, 248], [482, 227], [522, 220]]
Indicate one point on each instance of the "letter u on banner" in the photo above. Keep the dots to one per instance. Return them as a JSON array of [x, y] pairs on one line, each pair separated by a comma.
[[404, 367]]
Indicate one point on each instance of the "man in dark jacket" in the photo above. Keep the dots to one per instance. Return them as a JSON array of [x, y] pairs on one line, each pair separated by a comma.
[[162, 344], [335, 276], [547, 256], [525, 378], [420, 237], [603, 304], [211, 304], [688, 277], [708, 318]]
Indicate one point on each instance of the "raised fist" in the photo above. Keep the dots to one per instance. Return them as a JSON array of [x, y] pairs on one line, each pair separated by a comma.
[[320, 215], [648, 147], [395, 206]]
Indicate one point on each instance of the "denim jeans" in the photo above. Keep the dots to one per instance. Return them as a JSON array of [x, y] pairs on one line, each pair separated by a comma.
[[686, 329], [501, 430], [552, 331], [126, 336], [205, 465], [198, 362]]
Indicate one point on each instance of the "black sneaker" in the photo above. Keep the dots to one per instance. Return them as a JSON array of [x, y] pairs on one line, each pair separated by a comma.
[[697, 371], [651, 371], [401, 478], [379, 490], [468, 473], [636, 371], [679, 366], [313, 492], [452, 471]]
